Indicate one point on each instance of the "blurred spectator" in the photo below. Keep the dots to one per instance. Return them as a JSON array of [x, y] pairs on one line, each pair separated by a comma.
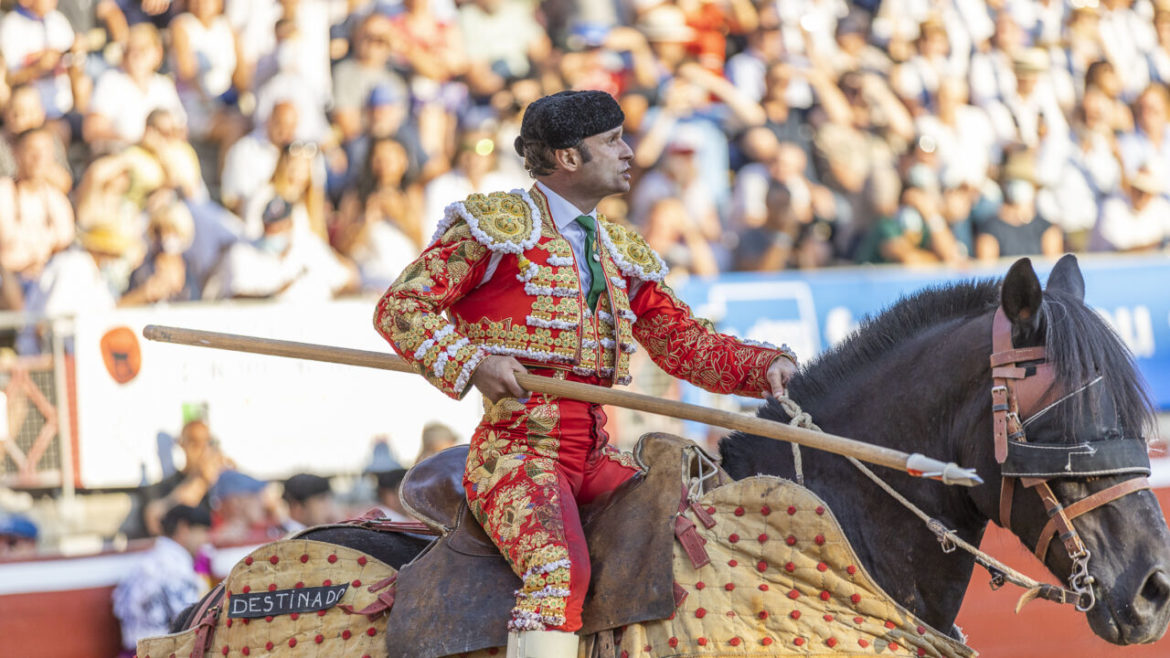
[[1017, 230], [18, 537], [917, 233], [1138, 221], [758, 147], [668, 34], [164, 582], [1019, 113], [426, 45], [713, 23], [23, 113], [389, 503], [88, 277], [36, 219], [380, 221], [1103, 77], [162, 276], [748, 69], [436, 437], [385, 117], [676, 176], [475, 170], [239, 512], [768, 247], [493, 61], [102, 197], [1149, 145], [958, 197], [125, 96], [191, 485], [355, 78], [310, 502], [205, 60], [962, 133], [284, 262], [37, 42], [1127, 37], [292, 182], [1160, 57], [163, 160], [250, 162]]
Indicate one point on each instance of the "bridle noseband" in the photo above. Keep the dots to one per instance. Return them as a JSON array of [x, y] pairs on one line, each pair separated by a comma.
[[1023, 388]]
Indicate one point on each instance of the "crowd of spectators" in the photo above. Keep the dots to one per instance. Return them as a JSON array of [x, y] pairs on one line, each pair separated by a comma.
[[166, 150]]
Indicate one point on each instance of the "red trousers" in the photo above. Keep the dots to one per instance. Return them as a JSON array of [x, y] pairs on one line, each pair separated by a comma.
[[530, 465]]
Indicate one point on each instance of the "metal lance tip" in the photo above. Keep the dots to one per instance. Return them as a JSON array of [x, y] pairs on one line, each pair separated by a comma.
[[948, 473]]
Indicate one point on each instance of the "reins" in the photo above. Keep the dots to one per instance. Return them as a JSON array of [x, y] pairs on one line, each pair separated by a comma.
[[1023, 386], [948, 539]]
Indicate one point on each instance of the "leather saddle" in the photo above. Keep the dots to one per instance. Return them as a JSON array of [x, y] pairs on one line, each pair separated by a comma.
[[457, 595]]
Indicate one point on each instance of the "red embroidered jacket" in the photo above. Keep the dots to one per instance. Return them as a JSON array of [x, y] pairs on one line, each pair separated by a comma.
[[439, 317]]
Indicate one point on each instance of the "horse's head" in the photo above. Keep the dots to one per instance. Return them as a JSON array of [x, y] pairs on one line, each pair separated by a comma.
[[1069, 415]]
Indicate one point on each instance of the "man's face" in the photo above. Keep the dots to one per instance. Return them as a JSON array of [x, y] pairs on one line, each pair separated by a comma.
[[374, 43], [1151, 111], [142, 55], [608, 169], [317, 510], [191, 537], [35, 155], [24, 111], [282, 124]]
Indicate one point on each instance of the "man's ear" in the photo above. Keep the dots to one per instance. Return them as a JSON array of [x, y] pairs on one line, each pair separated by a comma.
[[569, 159]]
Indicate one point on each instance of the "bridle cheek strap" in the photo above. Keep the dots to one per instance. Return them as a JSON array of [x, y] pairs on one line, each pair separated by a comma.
[[1060, 517]]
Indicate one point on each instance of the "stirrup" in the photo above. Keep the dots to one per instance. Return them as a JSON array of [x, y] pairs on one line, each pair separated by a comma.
[[542, 644]]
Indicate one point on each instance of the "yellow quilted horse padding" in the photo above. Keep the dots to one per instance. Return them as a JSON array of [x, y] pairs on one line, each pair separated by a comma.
[[290, 565], [782, 580]]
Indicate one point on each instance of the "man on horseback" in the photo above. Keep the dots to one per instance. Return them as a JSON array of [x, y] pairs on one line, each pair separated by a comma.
[[537, 281]]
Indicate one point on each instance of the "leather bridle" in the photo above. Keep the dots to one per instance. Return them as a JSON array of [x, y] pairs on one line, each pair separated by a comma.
[[1022, 389]]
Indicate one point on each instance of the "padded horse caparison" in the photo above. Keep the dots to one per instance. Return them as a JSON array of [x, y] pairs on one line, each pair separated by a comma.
[[457, 596]]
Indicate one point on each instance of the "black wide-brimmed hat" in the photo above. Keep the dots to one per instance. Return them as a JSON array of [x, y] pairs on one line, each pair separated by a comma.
[[563, 119]]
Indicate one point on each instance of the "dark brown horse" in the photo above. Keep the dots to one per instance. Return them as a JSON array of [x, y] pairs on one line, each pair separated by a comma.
[[917, 378]]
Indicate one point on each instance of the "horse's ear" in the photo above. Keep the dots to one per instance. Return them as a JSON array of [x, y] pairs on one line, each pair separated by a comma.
[[1066, 276], [1021, 296]]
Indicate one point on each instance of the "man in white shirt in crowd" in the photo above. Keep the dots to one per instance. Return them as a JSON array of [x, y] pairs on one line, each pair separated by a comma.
[[34, 38], [1140, 222], [124, 96], [164, 582], [283, 263]]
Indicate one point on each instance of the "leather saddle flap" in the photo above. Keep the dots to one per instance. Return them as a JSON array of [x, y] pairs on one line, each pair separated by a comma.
[[432, 491]]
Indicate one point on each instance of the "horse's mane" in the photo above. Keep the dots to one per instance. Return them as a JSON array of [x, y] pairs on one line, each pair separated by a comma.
[[1080, 344]]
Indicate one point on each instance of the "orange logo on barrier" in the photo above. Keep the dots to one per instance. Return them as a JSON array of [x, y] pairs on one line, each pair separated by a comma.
[[121, 354]]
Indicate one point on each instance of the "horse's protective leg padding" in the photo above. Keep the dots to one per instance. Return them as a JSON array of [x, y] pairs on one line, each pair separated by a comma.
[[783, 580], [283, 575]]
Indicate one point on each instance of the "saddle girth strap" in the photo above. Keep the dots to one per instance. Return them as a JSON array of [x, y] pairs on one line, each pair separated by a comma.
[[1062, 519]]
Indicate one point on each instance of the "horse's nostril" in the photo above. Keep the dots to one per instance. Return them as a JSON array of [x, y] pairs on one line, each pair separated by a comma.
[[1156, 590]]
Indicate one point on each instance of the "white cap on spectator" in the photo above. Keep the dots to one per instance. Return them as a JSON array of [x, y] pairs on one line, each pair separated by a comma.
[[666, 24], [1031, 60]]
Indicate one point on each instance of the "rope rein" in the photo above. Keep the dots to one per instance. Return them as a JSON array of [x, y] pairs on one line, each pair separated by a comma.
[[948, 539]]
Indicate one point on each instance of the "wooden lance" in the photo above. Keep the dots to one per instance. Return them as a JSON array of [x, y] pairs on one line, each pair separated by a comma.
[[914, 464]]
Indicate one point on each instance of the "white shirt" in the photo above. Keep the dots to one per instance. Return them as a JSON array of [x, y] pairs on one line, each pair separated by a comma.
[[158, 588], [23, 37], [127, 105], [564, 216], [1122, 227], [308, 268]]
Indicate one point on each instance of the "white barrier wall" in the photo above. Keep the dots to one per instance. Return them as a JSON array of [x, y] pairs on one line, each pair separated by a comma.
[[274, 416]]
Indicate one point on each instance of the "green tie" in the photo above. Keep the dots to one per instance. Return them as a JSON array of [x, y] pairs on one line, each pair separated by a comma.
[[597, 286]]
